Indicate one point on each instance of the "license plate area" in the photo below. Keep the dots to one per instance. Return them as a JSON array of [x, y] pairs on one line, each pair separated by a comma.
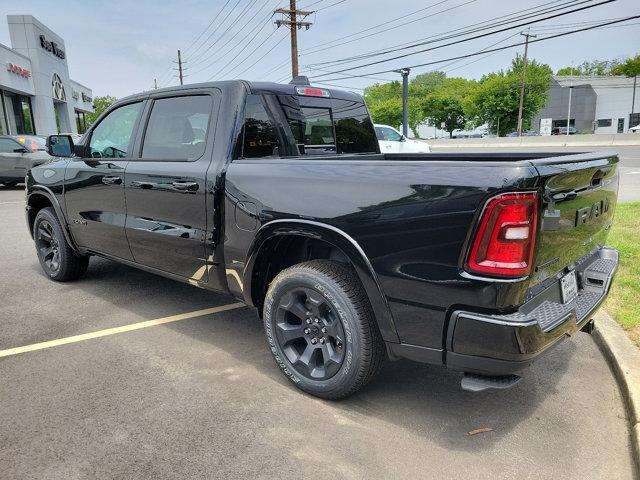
[[569, 287]]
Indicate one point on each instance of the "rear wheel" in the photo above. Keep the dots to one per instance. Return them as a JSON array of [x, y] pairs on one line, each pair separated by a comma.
[[57, 258], [321, 329]]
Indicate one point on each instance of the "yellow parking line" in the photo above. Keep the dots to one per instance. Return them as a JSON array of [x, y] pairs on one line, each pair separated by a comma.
[[116, 330]]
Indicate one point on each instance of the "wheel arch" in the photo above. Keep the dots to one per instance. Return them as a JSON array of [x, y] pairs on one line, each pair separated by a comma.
[[40, 197], [258, 272]]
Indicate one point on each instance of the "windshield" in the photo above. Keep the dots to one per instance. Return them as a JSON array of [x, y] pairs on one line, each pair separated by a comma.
[[33, 143]]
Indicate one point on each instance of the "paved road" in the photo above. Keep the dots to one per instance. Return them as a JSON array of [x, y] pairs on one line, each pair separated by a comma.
[[202, 397], [629, 164]]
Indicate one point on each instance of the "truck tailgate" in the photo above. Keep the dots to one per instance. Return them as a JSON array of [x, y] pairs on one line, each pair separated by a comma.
[[579, 198]]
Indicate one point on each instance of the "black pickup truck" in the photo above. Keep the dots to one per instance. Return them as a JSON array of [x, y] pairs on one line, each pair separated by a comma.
[[279, 196]]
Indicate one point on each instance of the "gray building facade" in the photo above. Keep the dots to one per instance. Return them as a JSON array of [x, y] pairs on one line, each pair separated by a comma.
[[599, 104], [36, 94]]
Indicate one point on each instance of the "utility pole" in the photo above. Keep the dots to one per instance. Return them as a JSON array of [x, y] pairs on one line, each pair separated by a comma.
[[405, 99], [633, 98], [155, 83], [524, 80], [290, 19], [180, 69], [569, 107]]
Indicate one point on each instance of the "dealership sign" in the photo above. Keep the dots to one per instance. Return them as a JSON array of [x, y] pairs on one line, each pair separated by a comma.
[[23, 72], [51, 47], [86, 98]]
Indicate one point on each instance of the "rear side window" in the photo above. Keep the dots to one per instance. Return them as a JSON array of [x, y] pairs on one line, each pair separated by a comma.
[[178, 128], [325, 126], [304, 126], [258, 136]]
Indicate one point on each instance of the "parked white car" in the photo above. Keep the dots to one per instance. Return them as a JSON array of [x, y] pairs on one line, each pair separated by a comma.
[[392, 141], [635, 129]]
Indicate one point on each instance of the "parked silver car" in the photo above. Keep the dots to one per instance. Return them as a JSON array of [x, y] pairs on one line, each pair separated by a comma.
[[18, 153]]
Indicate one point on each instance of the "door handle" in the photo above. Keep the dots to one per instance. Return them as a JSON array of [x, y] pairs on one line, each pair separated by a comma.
[[183, 186], [111, 180], [144, 185]]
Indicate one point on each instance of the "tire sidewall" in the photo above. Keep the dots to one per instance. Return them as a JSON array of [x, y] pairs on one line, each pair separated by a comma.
[[331, 291]]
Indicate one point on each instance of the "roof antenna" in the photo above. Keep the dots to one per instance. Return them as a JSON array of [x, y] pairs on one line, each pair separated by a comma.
[[300, 80]]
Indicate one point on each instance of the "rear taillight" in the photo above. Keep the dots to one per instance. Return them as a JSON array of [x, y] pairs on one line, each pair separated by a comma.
[[504, 241]]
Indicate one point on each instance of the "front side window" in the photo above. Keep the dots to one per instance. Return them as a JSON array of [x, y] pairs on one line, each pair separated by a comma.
[[178, 128], [111, 137]]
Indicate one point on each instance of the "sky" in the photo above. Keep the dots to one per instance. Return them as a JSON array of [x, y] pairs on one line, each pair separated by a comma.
[[118, 47]]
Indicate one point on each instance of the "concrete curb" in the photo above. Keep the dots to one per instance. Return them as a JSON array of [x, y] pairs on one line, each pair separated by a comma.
[[624, 359]]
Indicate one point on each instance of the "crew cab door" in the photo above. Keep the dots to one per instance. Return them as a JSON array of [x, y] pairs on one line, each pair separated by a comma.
[[165, 189], [94, 185]]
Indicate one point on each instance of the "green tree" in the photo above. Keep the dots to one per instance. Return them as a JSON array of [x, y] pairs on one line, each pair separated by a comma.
[[592, 67], [100, 104], [630, 68], [497, 97], [385, 102], [446, 109], [447, 104], [388, 111], [427, 82]]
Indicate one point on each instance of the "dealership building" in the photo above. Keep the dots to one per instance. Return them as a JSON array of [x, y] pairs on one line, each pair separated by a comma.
[[36, 94], [599, 104]]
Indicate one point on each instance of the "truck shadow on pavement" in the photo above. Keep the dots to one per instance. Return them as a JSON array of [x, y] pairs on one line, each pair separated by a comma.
[[424, 400]]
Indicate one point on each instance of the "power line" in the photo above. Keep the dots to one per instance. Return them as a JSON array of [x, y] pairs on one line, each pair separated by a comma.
[[500, 48], [469, 39], [266, 53], [415, 20], [467, 30], [374, 27], [329, 6], [259, 27], [202, 58], [235, 67], [215, 17]]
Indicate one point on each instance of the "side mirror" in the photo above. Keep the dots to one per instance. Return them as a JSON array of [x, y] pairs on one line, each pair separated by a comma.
[[20, 150], [403, 138], [60, 145]]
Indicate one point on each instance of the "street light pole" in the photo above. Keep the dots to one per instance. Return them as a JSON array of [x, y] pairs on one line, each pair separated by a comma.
[[570, 92], [405, 99], [524, 81]]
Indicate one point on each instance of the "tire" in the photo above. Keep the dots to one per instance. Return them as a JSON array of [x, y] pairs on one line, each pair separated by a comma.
[[57, 258], [321, 329]]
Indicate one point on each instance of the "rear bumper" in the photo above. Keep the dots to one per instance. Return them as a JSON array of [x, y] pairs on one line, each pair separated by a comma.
[[504, 344]]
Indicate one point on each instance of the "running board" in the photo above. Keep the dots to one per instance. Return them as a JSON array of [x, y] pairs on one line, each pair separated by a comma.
[[472, 382]]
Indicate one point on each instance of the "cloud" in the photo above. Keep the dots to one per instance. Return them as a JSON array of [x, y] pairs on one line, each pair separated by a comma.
[[155, 53]]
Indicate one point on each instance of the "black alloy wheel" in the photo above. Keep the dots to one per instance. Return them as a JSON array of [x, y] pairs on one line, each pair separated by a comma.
[[48, 247], [57, 258], [321, 329], [310, 333]]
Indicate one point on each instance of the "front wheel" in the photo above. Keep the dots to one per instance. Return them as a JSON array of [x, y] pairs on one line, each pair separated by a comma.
[[57, 258], [321, 329]]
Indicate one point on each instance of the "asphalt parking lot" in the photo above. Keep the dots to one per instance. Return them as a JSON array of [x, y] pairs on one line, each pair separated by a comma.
[[202, 397]]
